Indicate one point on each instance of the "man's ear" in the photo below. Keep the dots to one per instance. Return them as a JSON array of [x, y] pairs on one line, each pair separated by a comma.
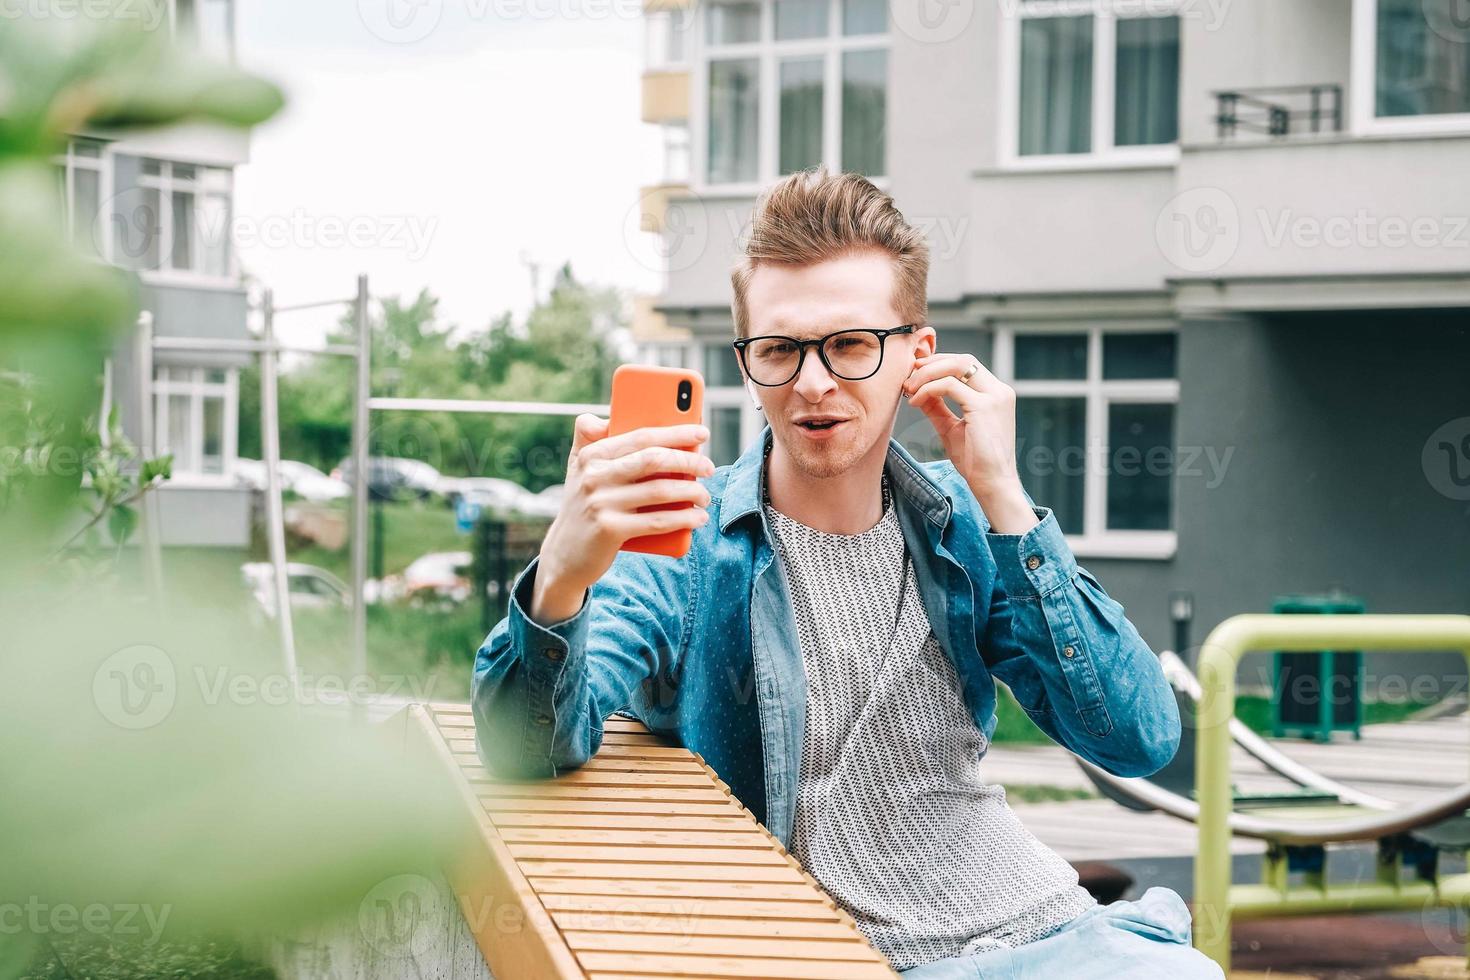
[[926, 340]]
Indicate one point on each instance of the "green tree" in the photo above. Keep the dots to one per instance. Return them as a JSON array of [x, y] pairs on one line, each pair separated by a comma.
[[561, 353]]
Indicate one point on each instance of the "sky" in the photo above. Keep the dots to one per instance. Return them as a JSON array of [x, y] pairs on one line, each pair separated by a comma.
[[443, 144]]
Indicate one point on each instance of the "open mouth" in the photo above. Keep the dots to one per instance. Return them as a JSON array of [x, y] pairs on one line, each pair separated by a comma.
[[820, 425]]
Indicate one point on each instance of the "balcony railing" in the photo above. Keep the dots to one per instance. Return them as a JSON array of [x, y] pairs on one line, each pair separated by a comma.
[[1278, 112]]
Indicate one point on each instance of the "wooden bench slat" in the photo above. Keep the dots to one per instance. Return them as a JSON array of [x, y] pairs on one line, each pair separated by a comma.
[[678, 872], [731, 966], [669, 837], [652, 808], [766, 891], [649, 855], [754, 911], [686, 926], [556, 790], [642, 863], [723, 946]]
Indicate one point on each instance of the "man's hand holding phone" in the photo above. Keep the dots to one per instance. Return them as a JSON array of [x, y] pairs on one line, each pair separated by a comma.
[[600, 507]]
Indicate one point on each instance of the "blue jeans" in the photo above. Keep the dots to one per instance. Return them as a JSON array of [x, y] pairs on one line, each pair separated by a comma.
[[1141, 939]]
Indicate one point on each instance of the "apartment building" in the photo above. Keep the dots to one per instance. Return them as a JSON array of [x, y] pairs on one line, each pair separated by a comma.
[[160, 203], [1219, 248]]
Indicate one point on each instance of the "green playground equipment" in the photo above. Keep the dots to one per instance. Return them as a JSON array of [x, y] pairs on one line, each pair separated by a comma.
[[1317, 693], [1297, 825], [1298, 836]]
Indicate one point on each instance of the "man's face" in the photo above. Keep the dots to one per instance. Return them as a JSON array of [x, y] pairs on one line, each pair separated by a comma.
[[807, 302]]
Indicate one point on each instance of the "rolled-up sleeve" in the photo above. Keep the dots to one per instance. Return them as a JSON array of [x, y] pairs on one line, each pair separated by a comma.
[[1075, 663], [539, 693]]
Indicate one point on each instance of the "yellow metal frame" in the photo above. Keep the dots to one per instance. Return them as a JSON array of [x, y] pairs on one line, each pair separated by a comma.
[[1216, 899]]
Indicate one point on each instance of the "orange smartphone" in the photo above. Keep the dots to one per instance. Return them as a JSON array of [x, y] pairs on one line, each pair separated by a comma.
[[645, 395]]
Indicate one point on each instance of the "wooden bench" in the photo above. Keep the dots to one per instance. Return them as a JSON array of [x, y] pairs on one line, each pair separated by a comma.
[[639, 864]]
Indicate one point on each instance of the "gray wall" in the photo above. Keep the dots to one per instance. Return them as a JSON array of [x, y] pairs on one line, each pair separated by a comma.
[[1326, 418]]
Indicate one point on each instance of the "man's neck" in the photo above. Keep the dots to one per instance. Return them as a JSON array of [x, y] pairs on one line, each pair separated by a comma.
[[848, 503]]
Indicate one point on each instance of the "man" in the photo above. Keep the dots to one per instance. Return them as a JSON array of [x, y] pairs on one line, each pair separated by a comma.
[[831, 641]]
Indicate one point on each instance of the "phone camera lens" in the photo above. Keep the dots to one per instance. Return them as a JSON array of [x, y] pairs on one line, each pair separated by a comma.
[[686, 395]]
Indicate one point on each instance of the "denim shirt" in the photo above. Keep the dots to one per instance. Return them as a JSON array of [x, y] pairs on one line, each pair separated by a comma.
[[703, 648]]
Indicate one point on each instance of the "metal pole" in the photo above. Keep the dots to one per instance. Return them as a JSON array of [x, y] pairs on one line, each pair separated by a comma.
[[152, 544], [360, 483], [270, 442]]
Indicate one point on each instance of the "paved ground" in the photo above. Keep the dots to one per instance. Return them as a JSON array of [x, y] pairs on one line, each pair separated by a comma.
[[1399, 762]]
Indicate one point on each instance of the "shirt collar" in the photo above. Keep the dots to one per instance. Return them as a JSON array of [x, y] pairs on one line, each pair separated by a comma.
[[908, 478]]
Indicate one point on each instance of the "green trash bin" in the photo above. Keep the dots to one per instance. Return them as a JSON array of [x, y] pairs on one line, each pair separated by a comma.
[[1315, 694]]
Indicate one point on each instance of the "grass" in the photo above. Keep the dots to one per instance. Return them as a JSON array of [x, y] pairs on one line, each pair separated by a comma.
[[75, 957], [410, 529]]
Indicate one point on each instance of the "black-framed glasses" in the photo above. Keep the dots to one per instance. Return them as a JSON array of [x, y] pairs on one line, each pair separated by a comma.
[[772, 360]]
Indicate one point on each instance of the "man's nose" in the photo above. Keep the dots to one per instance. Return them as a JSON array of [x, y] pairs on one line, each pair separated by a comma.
[[814, 380]]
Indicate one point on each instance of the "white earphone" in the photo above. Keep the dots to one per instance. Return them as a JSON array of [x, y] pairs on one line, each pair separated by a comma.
[[755, 399]]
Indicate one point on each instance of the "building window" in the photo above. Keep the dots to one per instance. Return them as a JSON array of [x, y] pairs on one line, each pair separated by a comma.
[[666, 39], [1422, 69], [1085, 83], [209, 24], [676, 153], [179, 220], [81, 176], [721, 366], [1095, 438], [791, 84], [195, 412], [724, 434]]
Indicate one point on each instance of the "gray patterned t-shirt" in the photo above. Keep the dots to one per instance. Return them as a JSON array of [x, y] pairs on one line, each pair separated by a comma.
[[892, 814]]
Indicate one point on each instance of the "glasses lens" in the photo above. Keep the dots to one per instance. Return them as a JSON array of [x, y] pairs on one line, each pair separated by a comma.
[[853, 354], [771, 360]]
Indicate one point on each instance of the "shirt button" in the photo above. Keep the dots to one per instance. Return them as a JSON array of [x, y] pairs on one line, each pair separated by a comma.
[[553, 653], [1033, 562], [1067, 651], [543, 719]]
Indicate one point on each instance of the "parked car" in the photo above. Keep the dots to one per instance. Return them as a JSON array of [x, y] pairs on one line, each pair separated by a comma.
[[393, 478], [547, 503], [309, 587], [439, 575], [492, 493], [302, 479]]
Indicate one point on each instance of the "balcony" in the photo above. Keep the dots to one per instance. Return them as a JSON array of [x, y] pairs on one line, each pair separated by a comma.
[[666, 95], [1277, 113]]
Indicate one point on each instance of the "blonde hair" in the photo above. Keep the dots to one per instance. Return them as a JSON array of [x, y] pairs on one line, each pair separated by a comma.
[[813, 215]]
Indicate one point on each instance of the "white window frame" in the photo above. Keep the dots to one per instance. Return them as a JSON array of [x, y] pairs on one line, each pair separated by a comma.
[[1364, 97], [1096, 539], [1104, 79], [197, 389], [166, 183], [769, 52], [101, 164], [659, 29]]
